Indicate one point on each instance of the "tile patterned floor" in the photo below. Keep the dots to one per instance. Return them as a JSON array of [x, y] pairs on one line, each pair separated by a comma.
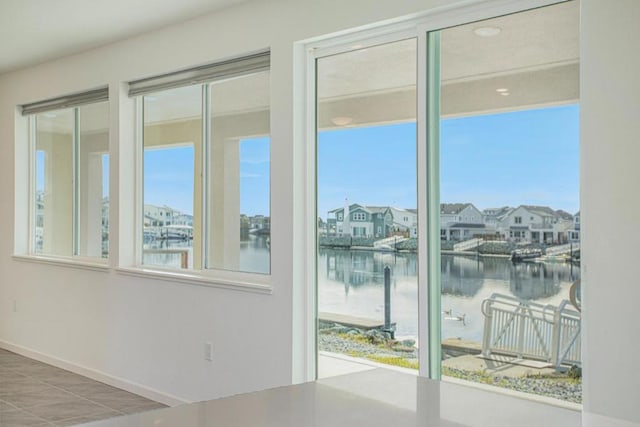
[[36, 394]]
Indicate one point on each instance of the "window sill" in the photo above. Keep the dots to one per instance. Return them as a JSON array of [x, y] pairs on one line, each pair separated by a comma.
[[193, 278], [80, 263]]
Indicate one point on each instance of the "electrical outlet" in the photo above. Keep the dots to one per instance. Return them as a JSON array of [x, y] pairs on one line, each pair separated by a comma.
[[208, 351]]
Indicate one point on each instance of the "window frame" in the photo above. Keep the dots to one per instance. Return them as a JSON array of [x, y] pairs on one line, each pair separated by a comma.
[[207, 276], [73, 104], [428, 174]]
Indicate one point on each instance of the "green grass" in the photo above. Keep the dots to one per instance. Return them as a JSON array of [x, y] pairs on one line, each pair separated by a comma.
[[394, 361]]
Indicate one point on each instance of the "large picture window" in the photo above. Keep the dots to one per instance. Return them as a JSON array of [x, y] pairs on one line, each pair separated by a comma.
[[206, 167], [70, 177]]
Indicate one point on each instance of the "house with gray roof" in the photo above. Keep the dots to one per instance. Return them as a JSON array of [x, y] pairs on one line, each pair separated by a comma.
[[540, 224], [361, 221], [460, 221], [405, 221]]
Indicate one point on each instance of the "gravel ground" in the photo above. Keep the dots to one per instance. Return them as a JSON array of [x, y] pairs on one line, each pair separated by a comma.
[[560, 388], [336, 344]]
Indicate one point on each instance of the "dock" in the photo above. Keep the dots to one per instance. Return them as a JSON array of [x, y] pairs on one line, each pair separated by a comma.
[[363, 323]]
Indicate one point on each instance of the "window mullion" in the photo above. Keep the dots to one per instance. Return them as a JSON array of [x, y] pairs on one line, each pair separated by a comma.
[[33, 199], [205, 176], [139, 179], [75, 182], [434, 293]]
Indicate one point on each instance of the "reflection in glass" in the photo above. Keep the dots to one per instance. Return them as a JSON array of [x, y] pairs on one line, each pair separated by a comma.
[[509, 199], [172, 161], [238, 210], [53, 204], [367, 203], [93, 180]]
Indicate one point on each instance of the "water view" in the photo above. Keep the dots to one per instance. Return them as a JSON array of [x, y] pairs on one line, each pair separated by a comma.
[[352, 282], [254, 253]]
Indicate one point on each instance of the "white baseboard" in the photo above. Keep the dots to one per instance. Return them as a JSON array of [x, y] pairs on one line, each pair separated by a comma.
[[595, 420], [94, 374]]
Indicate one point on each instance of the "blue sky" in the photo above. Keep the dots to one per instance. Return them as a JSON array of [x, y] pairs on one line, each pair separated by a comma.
[[168, 177], [524, 157]]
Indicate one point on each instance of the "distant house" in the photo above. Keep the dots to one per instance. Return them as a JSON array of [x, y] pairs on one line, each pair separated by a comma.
[[405, 221], [493, 217], [573, 235], [259, 222], [360, 221], [159, 216], [354, 220], [460, 221], [539, 224]]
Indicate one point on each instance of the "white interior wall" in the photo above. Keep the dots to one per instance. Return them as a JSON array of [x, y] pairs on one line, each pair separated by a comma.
[[150, 332], [610, 209]]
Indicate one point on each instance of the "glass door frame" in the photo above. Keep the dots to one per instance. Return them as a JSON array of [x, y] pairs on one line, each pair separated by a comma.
[[425, 29]]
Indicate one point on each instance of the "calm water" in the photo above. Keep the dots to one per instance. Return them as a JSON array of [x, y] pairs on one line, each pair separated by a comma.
[[352, 282], [254, 254]]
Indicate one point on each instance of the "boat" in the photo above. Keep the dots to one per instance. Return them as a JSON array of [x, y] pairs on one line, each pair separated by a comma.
[[523, 255], [554, 259], [176, 232], [149, 235]]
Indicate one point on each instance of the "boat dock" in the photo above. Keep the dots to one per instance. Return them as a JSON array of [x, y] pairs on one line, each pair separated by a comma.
[[363, 323]]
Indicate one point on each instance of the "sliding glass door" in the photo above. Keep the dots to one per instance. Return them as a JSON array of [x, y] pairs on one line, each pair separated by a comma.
[[495, 193], [509, 201], [367, 207]]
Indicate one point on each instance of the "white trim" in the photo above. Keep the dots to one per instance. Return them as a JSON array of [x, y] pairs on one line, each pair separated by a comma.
[[415, 25], [463, 12], [80, 263], [366, 39], [94, 374], [253, 286], [421, 187], [514, 393], [366, 362], [139, 180], [32, 184], [311, 228], [589, 419]]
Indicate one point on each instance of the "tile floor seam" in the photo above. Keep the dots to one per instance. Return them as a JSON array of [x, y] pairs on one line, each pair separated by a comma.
[[41, 378]]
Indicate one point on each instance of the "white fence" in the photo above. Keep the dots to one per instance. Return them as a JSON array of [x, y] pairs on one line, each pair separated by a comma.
[[389, 241], [466, 245], [563, 249], [529, 330]]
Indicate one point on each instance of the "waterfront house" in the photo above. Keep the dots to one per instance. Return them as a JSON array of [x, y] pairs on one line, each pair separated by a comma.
[[573, 235], [493, 217], [361, 221], [460, 221], [159, 216], [539, 224], [405, 221]]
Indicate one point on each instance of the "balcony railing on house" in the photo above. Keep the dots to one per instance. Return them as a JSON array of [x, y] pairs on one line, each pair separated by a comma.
[[563, 249], [541, 226], [527, 330]]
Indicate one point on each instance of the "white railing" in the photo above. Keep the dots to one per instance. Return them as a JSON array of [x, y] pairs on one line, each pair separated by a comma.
[[528, 330], [466, 245], [390, 241], [563, 249]]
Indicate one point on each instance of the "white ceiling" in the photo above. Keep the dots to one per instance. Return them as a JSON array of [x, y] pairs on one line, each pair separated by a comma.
[[535, 56], [34, 31]]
